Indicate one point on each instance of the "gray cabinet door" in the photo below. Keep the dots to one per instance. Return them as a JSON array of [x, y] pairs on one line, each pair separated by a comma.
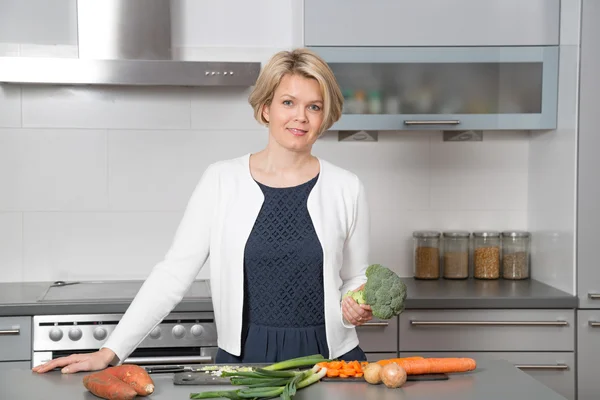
[[372, 357], [487, 330], [555, 370], [15, 338], [431, 22], [15, 365], [588, 354], [588, 198], [379, 336]]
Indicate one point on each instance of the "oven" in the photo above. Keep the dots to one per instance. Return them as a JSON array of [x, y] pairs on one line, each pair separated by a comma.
[[180, 338]]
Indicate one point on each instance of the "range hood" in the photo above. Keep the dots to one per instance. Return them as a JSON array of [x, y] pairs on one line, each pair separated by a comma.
[[125, 42]]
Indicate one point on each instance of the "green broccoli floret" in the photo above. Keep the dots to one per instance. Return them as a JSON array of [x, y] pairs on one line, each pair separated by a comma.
[[384, 292]]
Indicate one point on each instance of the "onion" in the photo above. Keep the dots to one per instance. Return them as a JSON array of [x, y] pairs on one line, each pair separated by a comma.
[[372, 373], [393, 375]]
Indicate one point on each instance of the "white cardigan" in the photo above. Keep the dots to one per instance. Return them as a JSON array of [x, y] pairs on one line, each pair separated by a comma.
[[217, 222]]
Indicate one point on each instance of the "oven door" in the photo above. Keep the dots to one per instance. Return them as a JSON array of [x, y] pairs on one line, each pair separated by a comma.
[[144, 356]]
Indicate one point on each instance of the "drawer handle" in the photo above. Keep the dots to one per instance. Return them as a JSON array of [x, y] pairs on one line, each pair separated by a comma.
[[489, 323], [594, 324], [367, 324], [559, 367], [594, 296], [433, 122], [8, 332]]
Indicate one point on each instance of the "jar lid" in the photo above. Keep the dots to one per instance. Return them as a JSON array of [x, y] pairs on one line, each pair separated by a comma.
[[426, 234], [486, 234], [457, 234], [516, 234]]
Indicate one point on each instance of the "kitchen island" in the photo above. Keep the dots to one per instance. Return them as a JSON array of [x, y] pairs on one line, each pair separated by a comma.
[[492, 380]]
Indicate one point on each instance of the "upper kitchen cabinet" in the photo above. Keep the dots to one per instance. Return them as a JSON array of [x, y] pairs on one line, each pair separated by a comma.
[[431, 23], [43, 22], [446, 88]]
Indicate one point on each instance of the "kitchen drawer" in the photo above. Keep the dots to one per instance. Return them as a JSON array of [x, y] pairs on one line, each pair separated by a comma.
[[372, 357], [487, 330], [15, 338], [378, 335], [15, 365], [555, 370], [588, 354]]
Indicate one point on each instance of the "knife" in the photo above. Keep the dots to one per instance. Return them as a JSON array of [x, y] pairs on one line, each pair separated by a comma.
[[172, 369]]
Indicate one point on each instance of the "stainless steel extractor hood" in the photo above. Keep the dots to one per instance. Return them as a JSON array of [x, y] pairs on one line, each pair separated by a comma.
[[125, 42]]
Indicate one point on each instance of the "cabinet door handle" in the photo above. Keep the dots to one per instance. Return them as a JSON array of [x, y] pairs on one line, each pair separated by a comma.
[[595, 324], [489, 323], [559, 367], [7, 332], [432, 122], [594, 296], [371, 324]]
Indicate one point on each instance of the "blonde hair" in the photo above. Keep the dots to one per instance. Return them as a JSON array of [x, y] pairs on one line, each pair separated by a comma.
[[305, 63]]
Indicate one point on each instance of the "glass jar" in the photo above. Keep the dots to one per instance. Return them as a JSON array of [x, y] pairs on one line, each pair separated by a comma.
[[515, 254], [426, 254], [486, 255], [455, 260]]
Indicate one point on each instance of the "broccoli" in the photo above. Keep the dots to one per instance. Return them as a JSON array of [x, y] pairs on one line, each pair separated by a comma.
[[384, 292]]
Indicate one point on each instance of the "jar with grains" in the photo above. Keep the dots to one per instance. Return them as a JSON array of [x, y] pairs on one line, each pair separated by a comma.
[[486, 255], [426, 254], [455, 259], [515, 254]]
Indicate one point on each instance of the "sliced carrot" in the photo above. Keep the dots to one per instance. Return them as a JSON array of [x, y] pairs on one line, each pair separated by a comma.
[[358, 374], [332, 373], [343, 376]]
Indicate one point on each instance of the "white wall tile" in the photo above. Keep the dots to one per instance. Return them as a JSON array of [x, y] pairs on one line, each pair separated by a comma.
[[47, 169], [9, 50], [102, 107], [158, 170], [199, 23], [89, 246], [394, 170], [552, 184], [222, 108], [10, 106], [53, 51], [11, 247]]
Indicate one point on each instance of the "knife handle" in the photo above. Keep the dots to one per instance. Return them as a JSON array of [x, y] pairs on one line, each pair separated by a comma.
[[165, 369]]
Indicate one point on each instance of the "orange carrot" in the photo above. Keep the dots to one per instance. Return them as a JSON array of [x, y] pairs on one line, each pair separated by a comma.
[[387, 361], [332, 373], [135, 376], [437, 365], [107, 386]]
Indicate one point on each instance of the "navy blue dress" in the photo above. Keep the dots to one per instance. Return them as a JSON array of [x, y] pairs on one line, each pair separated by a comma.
[[284, 308]]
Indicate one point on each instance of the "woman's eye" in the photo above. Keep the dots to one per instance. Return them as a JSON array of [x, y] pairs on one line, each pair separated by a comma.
[[315, 107], [287, 102]]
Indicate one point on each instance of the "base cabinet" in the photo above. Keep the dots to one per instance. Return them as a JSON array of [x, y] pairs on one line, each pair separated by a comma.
[[555, 370], [15, 365]]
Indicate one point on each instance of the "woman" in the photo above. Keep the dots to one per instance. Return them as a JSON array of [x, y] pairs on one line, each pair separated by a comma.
[[287, 235]]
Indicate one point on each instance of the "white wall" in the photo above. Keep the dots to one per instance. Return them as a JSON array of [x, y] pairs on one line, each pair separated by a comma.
[[93, 181]]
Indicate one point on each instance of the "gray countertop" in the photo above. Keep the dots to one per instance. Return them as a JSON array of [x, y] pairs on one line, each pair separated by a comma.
[[492, 380], [29, 298]]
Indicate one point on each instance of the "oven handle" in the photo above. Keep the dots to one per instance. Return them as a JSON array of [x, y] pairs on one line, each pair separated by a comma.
[[169, 360]]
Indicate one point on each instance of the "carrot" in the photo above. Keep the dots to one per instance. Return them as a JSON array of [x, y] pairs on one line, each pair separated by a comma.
[[332, 373], [437, 365], [107, 386], [387, 361], [135, 376]]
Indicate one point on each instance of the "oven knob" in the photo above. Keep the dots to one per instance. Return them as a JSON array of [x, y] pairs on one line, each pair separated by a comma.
[[155, 334], [178, 331], [100, 333], [56, 334], [197, 330], [75, 334]]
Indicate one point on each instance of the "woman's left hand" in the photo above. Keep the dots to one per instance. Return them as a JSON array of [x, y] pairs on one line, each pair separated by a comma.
[[356, 314]]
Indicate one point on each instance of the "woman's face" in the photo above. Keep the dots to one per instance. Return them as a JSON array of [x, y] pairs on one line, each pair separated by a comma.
[[296, 113]]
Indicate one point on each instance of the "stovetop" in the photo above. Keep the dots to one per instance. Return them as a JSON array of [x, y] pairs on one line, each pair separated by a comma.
[[90, 291]]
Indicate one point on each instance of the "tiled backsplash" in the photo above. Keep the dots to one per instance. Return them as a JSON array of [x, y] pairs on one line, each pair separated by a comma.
[[94, 180]]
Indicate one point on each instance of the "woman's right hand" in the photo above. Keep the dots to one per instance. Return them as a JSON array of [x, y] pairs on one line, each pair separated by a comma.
[[79, 362]]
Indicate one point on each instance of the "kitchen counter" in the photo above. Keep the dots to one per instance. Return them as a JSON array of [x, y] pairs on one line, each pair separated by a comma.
[[493, 380], [29, 298]]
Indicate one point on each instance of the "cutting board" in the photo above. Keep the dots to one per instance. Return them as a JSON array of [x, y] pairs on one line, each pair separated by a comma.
[[202, 378]]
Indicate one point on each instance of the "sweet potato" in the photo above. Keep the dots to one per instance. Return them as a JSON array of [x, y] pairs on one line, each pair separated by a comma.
[[108, 387], [135, 376]]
